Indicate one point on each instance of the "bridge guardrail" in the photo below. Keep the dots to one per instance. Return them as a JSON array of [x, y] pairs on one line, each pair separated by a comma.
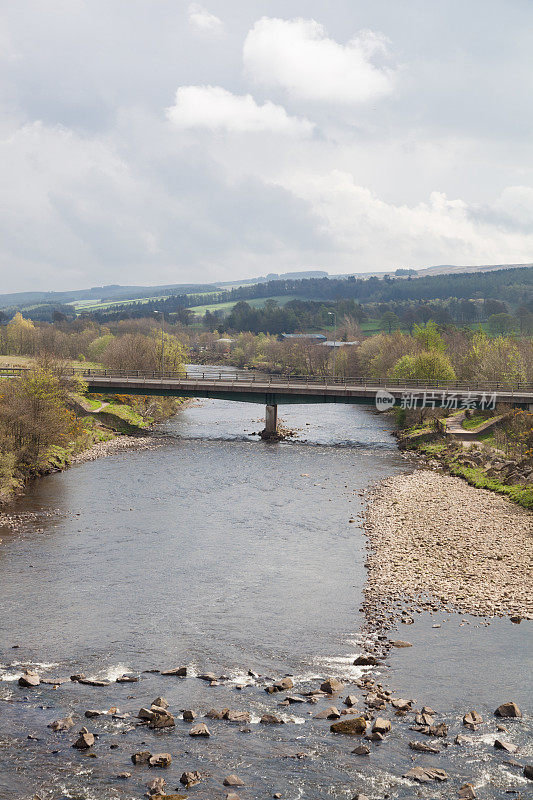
[[285, 379]]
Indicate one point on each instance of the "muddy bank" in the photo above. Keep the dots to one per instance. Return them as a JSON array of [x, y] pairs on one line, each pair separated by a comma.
[[436, 542]]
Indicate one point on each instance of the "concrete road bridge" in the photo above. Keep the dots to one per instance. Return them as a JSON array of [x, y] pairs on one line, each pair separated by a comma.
[[274, 390]]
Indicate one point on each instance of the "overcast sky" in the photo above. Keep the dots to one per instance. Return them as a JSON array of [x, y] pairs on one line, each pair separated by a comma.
[[160, 141]]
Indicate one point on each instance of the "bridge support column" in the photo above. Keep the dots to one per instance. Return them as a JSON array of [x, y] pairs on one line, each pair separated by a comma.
[[271, 423]]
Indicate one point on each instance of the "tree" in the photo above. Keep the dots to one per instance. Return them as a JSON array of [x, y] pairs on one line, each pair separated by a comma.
[[21, 335], [34, 415], [500, 324], [431, 365], [389, 321], [428, 336]]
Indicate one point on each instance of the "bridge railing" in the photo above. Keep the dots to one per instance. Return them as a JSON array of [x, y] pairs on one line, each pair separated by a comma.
[[262, 379]]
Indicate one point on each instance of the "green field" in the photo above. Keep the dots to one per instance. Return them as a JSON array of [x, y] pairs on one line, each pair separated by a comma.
[[257, 303]]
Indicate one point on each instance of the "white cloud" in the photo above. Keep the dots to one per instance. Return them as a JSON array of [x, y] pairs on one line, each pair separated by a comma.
[[298, 56], [202, 19], [380, 234], [216, 109]]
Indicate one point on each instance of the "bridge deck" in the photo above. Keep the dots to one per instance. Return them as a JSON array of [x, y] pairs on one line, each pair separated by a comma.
[[280, 390]]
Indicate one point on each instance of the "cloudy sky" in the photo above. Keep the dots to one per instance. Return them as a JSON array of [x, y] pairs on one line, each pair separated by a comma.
[[158, 141]]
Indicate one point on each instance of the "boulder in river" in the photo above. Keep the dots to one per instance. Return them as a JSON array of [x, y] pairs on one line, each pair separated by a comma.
[[366, 660], [528, 772], [328, 713], [331, 686], [421, 747], [179, 672], [91, 713], [93, 682], [509, 709], [280, 686], [189, 779], [472, 720], [214, 714], [426, 774], [233, 780], [29, 679], [162, 760], [189, 715], [160, 702], [500, 744], [361, 750], [271, 719], [466, 792], [350, 700], [128, 679], [63, 724], [240, 717], [381, 725], [161, 719], [401, 643], [85, 740], [208, 676], [141, 758], [354, 726], [199, 730]]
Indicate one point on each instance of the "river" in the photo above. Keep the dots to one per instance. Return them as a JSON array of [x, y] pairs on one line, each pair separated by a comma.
[[221, 552]]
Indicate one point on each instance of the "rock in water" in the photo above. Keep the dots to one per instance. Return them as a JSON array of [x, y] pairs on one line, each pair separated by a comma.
[[328, 713], [233, 780], [426, 774], [160, 760], [355, 726], [381, 725], [160, 702], [64, 724], [472, 720], [141, 758], [350, 701], [240, 717], [528, 772], [366, 660], [179, 672], [400, 643], [331, 686], [29, 679], [362, 750], [84, 741], [199, 730], [508, 710], [189, 715], [189, 779], [280, 686], [466, 792], [499, 744], [208, 676], [270, 719], [421, 747], [161, 719]]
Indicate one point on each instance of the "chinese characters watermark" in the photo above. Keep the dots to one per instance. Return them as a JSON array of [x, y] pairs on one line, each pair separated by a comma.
[[451, 401]]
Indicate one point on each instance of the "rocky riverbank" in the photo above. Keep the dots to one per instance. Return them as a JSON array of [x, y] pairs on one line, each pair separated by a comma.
[[436, 542]]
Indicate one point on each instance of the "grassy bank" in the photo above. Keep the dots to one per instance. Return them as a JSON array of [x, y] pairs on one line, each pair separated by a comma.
[[479, 463]]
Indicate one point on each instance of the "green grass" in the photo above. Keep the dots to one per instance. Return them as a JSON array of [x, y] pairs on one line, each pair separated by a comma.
[[258, 302], [126, 413], [474, 422], [476, 477]]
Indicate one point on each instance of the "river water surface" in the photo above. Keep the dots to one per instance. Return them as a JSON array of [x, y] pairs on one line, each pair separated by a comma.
[[224, 553]]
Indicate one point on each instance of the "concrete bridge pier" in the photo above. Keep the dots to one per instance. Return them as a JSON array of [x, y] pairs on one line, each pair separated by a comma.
[[271, 422]]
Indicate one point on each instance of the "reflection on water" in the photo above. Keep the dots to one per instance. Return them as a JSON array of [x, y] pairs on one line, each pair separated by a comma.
[[225, 553]]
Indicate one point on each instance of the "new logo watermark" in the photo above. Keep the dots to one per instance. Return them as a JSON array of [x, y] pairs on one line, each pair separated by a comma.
[[384, 400], [449, 400]]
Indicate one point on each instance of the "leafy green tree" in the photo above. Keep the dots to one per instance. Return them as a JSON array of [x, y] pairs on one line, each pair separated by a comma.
[[430, 365], [428, 336], [500, 324], [389, 321]]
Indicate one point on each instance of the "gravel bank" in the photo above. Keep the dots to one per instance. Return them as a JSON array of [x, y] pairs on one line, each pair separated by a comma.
[[101, 449], [436, 542]]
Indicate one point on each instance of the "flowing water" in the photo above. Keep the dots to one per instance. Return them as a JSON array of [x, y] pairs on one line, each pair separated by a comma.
[[224, 553]]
